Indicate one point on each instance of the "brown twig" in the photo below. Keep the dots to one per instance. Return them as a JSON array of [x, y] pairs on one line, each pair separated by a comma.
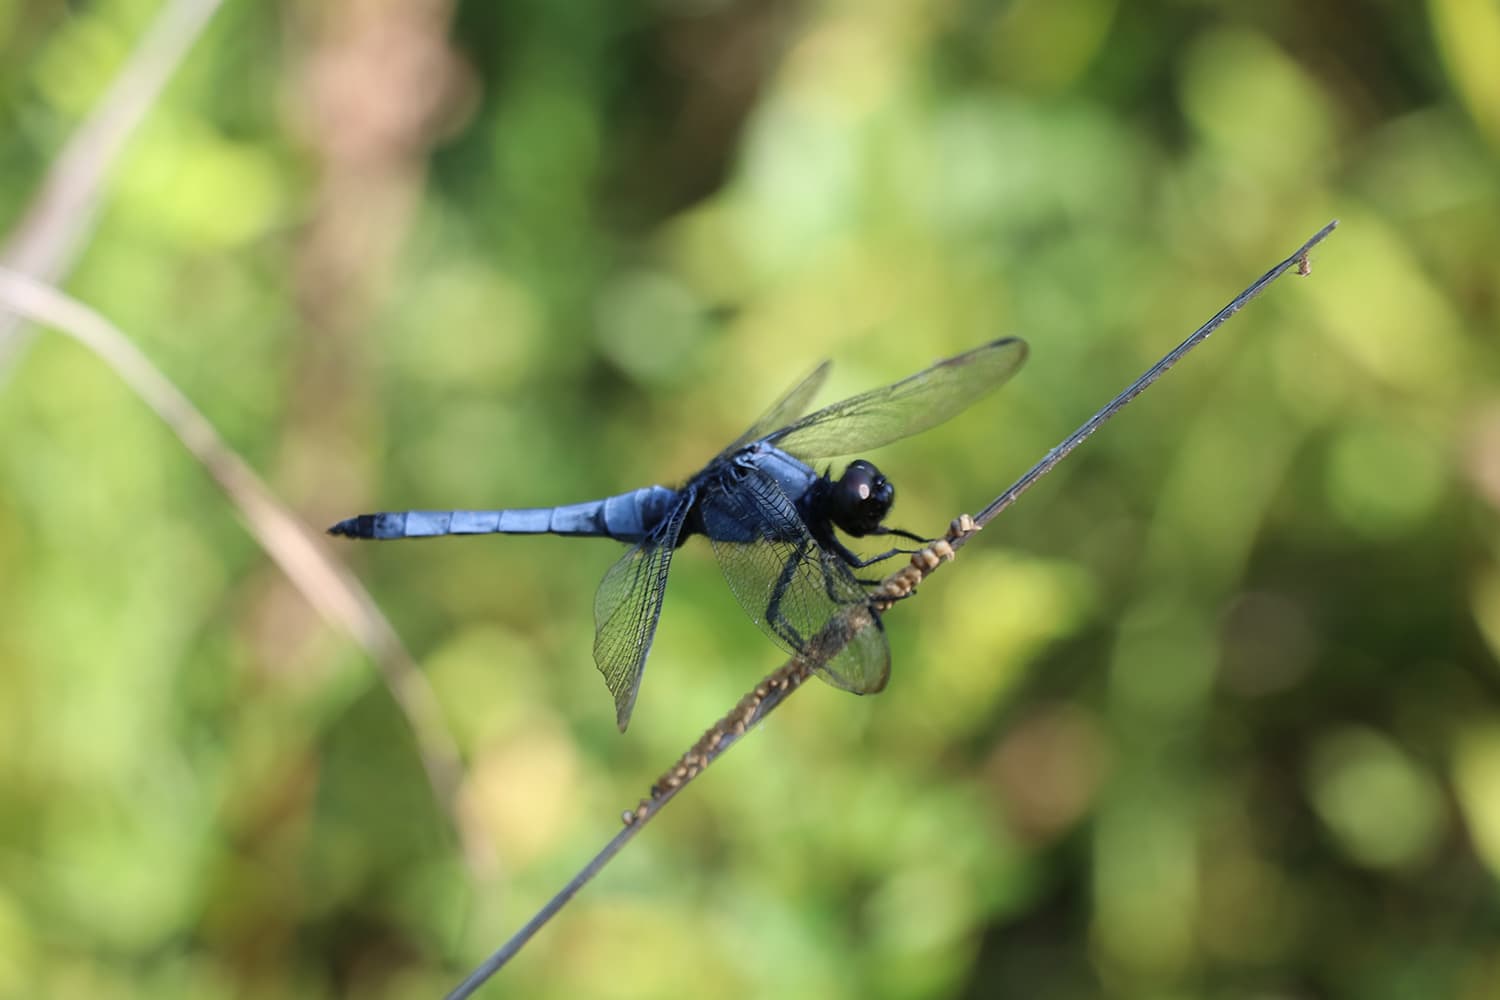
[[297, 549], [775, 689], [778, 686], [750, 710]]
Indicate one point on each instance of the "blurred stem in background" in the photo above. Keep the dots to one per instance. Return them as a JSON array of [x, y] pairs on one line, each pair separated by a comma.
[[1227, 726], [47, 240]]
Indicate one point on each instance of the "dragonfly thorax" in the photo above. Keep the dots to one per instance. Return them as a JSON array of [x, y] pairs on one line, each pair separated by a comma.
[[772, 519], [860, 500]]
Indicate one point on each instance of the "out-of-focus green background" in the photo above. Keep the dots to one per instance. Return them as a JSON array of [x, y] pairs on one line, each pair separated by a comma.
[[1213, 712]]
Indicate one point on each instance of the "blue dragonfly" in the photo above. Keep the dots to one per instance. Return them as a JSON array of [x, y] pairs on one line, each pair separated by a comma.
[[773, 521]]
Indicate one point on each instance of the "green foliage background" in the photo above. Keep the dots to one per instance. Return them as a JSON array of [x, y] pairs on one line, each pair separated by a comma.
[[1214, 712]]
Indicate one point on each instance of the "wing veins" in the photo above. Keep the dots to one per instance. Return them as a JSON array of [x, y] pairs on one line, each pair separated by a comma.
[[633, 588], [818, 586], [914, 404], [786, 409]]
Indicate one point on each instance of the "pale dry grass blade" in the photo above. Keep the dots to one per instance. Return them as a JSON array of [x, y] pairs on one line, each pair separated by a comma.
[[56, 224], [297, 549]]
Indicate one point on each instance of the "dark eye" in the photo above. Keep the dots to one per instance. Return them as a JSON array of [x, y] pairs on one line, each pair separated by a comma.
[[862, 498]]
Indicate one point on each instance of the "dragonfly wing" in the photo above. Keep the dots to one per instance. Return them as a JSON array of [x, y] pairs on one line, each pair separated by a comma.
[[912, 405], [627, 607], [788, 584], [785, 410]]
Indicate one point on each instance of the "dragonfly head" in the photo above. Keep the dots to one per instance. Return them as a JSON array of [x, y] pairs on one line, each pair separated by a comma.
[[861, 499]]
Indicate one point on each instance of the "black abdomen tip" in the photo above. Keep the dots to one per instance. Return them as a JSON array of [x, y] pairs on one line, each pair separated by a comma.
[[362, 526]]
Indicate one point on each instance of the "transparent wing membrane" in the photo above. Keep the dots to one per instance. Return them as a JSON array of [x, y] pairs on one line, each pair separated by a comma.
[[626, 609], [788, 408], [910, 406], [786, 583], [789, 585]]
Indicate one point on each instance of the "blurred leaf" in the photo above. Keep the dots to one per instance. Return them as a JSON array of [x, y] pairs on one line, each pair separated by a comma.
[[1477, 770], [1384, 812], [1469, 33]]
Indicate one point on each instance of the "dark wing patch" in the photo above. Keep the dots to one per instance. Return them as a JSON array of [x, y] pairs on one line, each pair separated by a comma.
[[786, 583], [626, 609]]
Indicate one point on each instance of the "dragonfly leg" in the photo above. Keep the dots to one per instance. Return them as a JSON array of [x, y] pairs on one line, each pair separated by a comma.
[[872, 560], [831, 582], [783, 628], [901, 532], [854, 560]]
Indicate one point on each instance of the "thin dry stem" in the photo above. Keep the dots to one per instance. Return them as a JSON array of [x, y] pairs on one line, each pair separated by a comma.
[[57, 222], [297, 549], [775, 688], [746, 714], [771, 692], [1298, 259]]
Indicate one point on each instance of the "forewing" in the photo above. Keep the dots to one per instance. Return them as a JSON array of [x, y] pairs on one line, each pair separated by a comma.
[[626, 608], [785, 410], [910, 406], [787, 584]]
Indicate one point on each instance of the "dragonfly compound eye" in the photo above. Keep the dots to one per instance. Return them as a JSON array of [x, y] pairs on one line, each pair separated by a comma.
[[772, 519], [862, 498]]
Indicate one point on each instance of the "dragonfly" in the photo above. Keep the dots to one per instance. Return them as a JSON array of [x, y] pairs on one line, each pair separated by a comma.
[[772, 520]]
